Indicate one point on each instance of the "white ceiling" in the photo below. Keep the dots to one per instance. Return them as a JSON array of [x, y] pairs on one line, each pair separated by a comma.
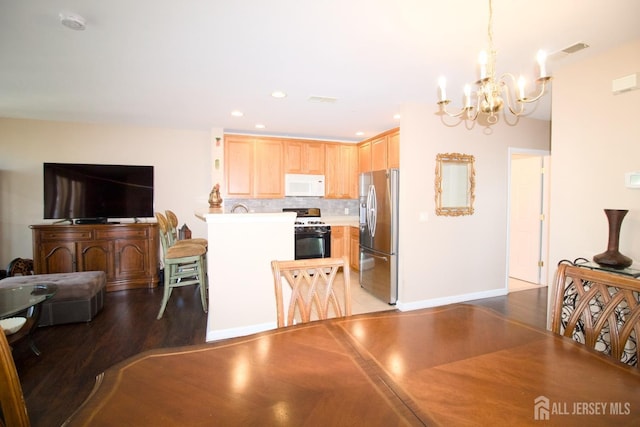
[[189, 63]]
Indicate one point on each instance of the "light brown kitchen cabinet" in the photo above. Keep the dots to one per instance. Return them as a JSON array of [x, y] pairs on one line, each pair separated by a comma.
[[254, 167], [354, 247], [364, 157], [238, 165], [268, 179], [341, 171], [127, 253], [393, 147], [304, 157], [380, 152], [338, 241]]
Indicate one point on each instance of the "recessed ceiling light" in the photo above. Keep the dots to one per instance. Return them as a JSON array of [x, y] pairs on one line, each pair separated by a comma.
[[260, 126], [278, 94], [75, 22], [359, 133], [396, 116], [237, 113]]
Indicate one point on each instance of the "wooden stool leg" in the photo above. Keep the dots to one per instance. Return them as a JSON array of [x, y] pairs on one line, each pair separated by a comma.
[[168, 273], [202, 277]]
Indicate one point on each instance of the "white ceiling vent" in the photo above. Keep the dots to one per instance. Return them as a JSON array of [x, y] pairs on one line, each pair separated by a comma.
[[626, 83], [323, 99], [576, 47]]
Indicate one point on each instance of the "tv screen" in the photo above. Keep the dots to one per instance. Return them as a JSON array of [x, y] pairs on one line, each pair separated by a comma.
[[93, 191]]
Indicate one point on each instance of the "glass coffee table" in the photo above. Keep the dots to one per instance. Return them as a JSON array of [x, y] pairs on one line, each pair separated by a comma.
[[25, 301]]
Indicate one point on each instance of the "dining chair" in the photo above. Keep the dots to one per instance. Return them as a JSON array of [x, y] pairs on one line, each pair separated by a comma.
[[311, 289], [184, 265], [14, 408], [20, 267], [599, 309], [172, 219]]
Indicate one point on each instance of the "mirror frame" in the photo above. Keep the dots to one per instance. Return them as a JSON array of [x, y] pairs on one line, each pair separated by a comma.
[[444, 160]]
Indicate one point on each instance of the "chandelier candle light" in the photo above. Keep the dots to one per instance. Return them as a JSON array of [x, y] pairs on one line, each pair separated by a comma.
[[489, 95]]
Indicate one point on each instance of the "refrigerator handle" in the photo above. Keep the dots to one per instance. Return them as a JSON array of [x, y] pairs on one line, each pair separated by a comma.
[[374, 211], [368, 209], [372, 255]]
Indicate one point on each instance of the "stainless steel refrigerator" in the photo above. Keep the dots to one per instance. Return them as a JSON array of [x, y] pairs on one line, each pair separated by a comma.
[[378, 193]]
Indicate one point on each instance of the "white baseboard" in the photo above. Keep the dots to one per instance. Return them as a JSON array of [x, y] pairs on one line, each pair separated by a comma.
[[222, 334], [216, 335], [436, 302]]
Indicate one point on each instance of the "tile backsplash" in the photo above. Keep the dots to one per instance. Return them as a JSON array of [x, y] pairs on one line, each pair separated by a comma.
[[328, 207]]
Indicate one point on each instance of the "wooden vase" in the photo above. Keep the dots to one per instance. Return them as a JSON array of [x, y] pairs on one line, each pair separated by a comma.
[[612, 257]]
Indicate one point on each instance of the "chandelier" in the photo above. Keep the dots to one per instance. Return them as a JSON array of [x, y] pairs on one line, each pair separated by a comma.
[[491, 93]]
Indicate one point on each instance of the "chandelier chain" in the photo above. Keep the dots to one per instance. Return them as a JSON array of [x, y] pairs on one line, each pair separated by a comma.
[[490, 26]]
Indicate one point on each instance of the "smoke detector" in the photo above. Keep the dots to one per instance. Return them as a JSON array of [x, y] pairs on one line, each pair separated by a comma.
[[75, 22]]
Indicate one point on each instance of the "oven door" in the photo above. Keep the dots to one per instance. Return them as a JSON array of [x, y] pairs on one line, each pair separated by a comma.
[[312, 243]]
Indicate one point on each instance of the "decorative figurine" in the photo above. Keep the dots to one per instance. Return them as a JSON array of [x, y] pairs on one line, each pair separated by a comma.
[[215, 201]]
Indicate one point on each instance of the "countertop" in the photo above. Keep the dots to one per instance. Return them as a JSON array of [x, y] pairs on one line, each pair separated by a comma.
[[337, 221]]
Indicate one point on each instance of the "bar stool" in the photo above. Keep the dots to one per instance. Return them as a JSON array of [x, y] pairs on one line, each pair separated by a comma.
[[172, 219], [184, 265]]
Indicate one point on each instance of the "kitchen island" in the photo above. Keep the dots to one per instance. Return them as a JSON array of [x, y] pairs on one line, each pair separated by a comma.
[[241, 248]]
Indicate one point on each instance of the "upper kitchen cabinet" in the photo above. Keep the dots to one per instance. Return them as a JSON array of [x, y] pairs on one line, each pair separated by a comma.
[[254, 167], [304, 157], [380, 152], [393, 147], [364, 156], [341, 167]]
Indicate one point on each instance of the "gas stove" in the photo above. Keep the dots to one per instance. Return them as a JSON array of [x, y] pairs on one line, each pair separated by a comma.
[[308, 219], [312, 236]]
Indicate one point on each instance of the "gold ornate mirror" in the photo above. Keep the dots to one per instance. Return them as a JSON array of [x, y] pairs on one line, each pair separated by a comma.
[[455, 184]]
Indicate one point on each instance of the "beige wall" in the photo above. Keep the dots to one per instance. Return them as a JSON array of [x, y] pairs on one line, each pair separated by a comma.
[[182, 164], [595, 140], [448, 259], [440, 259]]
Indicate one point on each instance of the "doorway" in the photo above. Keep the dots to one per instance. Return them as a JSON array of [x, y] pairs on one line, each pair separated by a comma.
[[528, 218]]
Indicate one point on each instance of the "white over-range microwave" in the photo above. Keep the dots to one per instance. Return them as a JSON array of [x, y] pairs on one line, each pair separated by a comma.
[[302, 185]]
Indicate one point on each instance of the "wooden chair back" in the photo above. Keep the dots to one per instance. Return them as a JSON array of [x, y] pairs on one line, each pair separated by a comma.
[[172, 221], [163, 228], [312, 285], [598, 309], [14, 408]]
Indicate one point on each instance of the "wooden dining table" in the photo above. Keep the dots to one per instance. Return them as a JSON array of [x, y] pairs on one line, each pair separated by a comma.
[[453, 365]]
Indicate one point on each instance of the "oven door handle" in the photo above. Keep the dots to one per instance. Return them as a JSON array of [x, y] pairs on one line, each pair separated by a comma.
[[314, 233]]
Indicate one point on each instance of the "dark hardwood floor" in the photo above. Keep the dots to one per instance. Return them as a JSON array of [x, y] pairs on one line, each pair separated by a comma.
[[58, 381], [529, 306]]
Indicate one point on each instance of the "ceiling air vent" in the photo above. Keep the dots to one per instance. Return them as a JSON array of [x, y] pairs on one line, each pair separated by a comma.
[[323, 99], [575, 48], [563, 53]]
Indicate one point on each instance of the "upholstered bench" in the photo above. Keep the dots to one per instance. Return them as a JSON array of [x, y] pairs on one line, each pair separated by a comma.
[[79, 298]]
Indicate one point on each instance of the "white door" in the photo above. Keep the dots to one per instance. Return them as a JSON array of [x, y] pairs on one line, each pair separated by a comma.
[[526, 216]]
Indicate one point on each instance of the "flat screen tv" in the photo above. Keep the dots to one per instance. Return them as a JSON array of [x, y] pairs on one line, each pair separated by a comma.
[[95, 192]]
